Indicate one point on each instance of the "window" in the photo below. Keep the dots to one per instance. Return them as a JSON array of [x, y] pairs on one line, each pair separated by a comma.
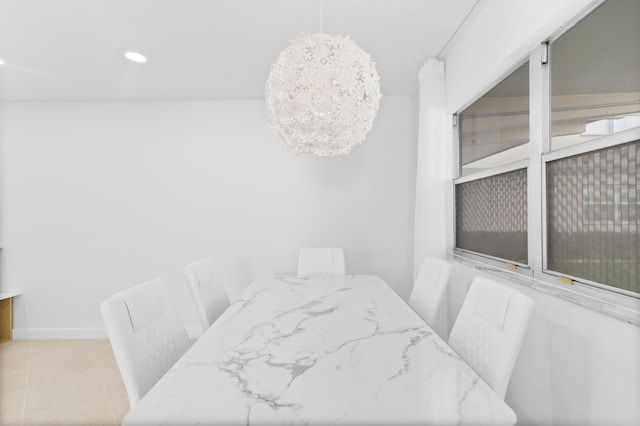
[[565, 205], [491, 216], [494, 130], [593, 216], [491, 199], [592, 191], [595, 77]]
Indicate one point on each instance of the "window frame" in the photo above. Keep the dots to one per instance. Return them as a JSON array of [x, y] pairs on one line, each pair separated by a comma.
[[603, 142], [613, 301], [519, 268], [522, 268]]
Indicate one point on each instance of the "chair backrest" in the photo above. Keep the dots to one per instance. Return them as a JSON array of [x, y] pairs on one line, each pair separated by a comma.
[[489, 330], [321, 261], [146, 334], [207, 289], [430, 288]]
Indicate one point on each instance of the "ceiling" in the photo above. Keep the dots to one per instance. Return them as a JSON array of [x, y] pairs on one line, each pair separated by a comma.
[[72, 50]]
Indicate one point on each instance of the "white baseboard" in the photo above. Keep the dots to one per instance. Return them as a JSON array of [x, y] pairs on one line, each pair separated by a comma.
[[74, 333]]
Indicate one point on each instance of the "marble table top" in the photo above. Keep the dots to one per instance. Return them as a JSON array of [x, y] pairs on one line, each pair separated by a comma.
[[343, 350]]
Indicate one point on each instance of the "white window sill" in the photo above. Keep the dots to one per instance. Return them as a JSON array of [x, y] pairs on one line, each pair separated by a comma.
[[626, 308]]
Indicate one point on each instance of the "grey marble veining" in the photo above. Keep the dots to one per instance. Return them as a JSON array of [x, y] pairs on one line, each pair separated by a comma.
[[340, 350]]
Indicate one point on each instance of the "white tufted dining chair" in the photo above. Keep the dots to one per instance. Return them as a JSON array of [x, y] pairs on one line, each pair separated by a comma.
[[207, 289], [430, 288], [489, 330], [321, 261], [146, 334]]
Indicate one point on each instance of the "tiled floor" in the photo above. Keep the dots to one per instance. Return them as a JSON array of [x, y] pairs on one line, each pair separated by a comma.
[[60, 382]]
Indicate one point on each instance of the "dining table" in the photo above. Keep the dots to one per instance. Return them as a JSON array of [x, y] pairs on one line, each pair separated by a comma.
[[321, 350]]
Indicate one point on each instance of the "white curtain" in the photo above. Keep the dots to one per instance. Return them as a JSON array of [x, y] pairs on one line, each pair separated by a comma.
[[431, 186]]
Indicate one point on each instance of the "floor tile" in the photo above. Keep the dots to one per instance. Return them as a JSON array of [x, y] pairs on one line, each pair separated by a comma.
[[14, 355], [14, 368], [11, 407], [116, 392], [60, 382], [78, 399], [54, 360], [102, 353], [111, 378], [13, 381]]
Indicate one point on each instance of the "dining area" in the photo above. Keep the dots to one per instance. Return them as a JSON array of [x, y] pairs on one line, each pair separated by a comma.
[[317, 347], [350, 212]]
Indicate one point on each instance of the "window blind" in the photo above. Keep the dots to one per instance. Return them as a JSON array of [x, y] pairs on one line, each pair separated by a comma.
[[593, 215], [491, 216]]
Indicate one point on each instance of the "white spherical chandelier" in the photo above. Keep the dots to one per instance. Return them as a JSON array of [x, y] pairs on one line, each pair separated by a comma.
[[322, 95]]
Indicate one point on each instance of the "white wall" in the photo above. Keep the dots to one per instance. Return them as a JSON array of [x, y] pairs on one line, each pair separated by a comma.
[[97, 197], [577, 366]]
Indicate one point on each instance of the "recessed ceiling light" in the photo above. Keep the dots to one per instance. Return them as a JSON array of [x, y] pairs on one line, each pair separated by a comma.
[[1, 61], [135, 57]]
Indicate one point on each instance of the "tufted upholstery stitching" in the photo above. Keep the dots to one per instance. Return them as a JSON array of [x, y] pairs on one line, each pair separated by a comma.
[[146, 335], [207, 290], [489, 330], [480, 337], [159, 346]]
